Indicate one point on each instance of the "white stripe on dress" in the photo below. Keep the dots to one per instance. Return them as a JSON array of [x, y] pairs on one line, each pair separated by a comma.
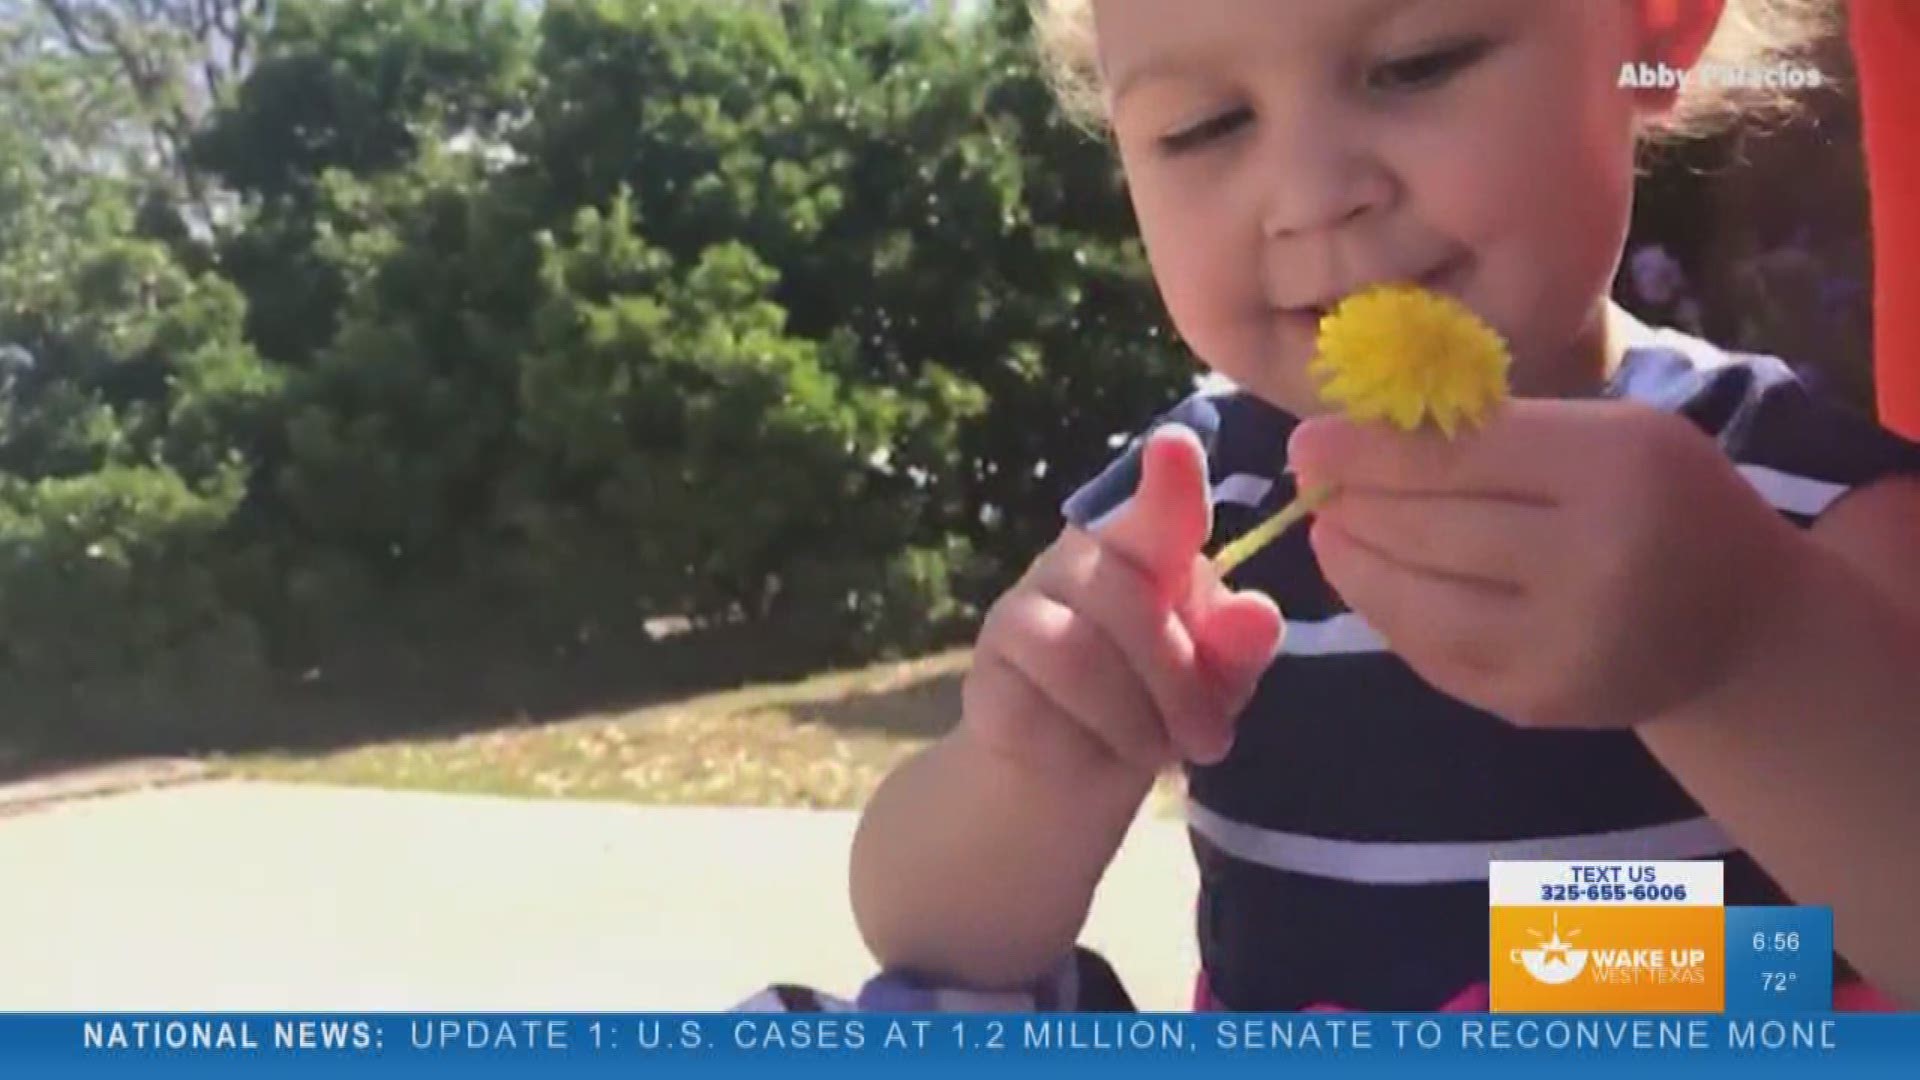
[[1101, 522], [1371, 862], [1343, 635], [1242, 489], [1793, 494]]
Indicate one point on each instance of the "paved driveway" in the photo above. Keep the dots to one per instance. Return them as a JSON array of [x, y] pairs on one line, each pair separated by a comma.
[[248, 896]]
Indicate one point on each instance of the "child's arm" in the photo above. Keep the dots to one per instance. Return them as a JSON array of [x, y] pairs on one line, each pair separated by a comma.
[[1811, 757], [977, 872], [1117, 655]]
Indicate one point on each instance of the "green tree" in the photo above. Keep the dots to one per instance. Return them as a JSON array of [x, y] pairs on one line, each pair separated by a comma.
[[917, 192], [149, 72], [124, 383], [520, 326]]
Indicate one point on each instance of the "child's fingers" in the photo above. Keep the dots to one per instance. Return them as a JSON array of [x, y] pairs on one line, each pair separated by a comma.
[[1519, 455], [1069, 659], [1159, 649], [1447, 628], [1167, 521], [1250, 635], [1205, 590], [1495, 541], [1236, 636], [1238, 640]]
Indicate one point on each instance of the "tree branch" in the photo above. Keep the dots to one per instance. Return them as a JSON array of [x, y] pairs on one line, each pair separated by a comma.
[[69, 22]]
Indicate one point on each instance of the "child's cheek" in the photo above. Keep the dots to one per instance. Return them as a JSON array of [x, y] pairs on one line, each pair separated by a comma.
[[1214, 301]]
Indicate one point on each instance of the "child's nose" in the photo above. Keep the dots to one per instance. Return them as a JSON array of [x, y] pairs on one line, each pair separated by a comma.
[[1315, 175]]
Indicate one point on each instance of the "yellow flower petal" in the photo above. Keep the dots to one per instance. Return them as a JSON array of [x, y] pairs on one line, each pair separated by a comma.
[[1403, 355], [1408, 356]]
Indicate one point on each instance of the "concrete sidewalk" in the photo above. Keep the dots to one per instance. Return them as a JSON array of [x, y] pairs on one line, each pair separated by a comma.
[[246, 896]]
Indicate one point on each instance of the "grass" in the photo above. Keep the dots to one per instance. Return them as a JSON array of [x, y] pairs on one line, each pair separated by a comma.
[[821, 742]]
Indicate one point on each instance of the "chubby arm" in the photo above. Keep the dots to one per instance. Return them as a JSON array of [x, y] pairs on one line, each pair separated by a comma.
[[1119, 654], [971, 869], [1810, 757]]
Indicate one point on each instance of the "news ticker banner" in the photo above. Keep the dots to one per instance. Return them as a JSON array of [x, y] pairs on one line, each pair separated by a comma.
[[1648, 937], [1012, 1046]]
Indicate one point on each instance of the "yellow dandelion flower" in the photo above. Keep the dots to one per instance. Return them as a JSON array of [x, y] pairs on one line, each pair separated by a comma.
[[1406, 356], [1403, 355]]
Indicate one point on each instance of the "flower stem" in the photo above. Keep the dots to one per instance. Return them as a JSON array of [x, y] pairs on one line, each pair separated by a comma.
[[1269, 530]]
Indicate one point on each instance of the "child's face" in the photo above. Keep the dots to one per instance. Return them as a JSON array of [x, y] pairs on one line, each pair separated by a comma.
[[1285, 153]]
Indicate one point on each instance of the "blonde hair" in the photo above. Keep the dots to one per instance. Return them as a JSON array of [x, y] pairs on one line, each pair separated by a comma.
[[1751, 35]]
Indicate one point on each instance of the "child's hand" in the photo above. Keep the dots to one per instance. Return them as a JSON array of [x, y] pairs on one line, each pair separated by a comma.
[[1574, 564], [1123, 647]]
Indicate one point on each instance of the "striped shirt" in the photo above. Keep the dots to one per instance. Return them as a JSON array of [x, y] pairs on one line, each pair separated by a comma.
[[1343, 845]]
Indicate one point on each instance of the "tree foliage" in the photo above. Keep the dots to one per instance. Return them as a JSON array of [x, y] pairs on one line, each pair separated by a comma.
[[424, 326], [459, 320]]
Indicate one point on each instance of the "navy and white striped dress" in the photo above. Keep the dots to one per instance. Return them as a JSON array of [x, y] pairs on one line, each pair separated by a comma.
[[1343, 845]]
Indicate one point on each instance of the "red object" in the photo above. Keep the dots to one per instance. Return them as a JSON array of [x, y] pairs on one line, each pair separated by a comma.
[[1886, 48]]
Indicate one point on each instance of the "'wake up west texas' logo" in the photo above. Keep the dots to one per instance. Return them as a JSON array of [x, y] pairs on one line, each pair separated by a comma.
[[1608, 959], [1554, 962]]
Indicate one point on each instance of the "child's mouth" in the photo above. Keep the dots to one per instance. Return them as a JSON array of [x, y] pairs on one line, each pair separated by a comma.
[[1435, 280]]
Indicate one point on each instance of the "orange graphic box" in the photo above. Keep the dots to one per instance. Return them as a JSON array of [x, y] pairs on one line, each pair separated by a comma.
[[1588, 958]]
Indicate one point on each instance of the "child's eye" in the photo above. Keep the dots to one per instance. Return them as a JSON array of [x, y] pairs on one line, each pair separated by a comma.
[[1428, 69], [1206, 131]]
